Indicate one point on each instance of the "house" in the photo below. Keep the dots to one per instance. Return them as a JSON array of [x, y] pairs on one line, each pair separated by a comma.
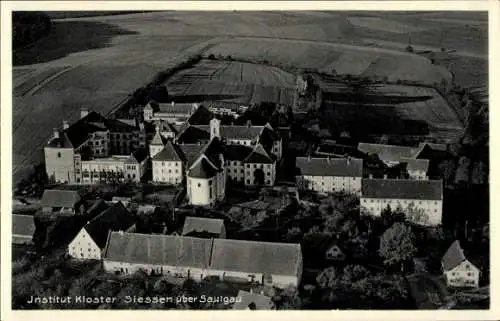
[[92, 136], [168, 164], [170, 112], [392, 155], [179, 256], [253, 301], [328, 175], [321, 249], [62, 201], [212, 227], [420, 200], [458, 271], [91, 240], [115, 168], [23, 228], [274, 264]]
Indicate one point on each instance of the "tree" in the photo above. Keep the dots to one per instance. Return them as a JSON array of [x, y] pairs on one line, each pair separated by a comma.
[[416, 214], [447, 171], [462, 173], [288, 299], [327, 278], [479, 173], [397, 244]]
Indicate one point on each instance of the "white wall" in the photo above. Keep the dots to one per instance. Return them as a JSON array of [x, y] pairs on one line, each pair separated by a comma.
[[168, 172], [433, 208], [330, 184], [196, 274], [60, 164], [464, 275], [269, 173], [154, 149], [84, 247], [199, 193]]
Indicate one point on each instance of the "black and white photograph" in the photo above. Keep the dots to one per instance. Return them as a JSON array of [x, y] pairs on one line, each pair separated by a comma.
[[249, 160]]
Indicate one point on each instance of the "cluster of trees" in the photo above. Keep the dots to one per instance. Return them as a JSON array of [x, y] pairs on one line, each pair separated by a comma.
[[264, 112], [28, 26]]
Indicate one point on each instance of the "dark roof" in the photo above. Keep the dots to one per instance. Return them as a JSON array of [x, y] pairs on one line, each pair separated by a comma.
[[79, 132], [240, 132], [453, 256], [252, 301], [170, 152], [237, 152], [191, 152], [158, 249], [115, 218], [140, 154], [402, 189], [414, 164], [259, 156], [120, 125], [201, 116], [193, 134], [351, 167], [59, 198], [96, 207], [158, 139], [202, 169], [390, 153], [256, 257], [202, 224], [61, 142], [177, 108], [23, 225]]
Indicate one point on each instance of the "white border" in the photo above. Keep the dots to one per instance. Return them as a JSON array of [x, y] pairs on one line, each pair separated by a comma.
[[6, 152]]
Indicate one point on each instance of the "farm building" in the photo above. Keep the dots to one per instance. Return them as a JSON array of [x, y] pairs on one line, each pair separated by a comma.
[[23, 228], [252, 301], [90, 138], [327, 175], [62, 201], [393, 155], [275, 264], [171, 112], [117, 168], [91, 240], [420, 200], [179, 256], [210, 227], [458, 271]]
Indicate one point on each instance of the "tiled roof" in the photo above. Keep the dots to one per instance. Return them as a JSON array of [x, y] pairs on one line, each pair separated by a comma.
[[237, 152], [256, 257], [342, 167], [177, 108], [402, 189], [191, 152], [115, 218], [413, 164], [158, 139], [193, 134], [170, 152], [202, 169], [23, 225], [202, 224], [170, 250], [240, 132], [390, 153], [140, 154], [252, 301], [259, 156], [201, 116], [146, 209], [79, 132], [453, 256], [59, 198]]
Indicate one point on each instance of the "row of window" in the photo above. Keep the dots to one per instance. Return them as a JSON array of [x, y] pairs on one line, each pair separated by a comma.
[[390, 201]]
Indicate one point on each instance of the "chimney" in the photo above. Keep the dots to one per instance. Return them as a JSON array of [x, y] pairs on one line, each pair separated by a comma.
[[65, 124], [173, 103], [157, 128], [348, 160], [370, 176], [328, 160], [56, 132], [249, 123], [385, 176], [309, 157], [84, 113], [120, 232]]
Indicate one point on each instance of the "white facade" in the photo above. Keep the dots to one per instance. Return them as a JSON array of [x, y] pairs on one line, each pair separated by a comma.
[[84, 247], [206, 191], [235, 171], [119, 167], [269, 171], [416, 174], [169, 172], [330, 184], [154, 149], [463, 275], [279, 281], [196, 274], [433, 208]]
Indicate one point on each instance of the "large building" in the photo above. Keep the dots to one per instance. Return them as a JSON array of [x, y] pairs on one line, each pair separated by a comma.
[[62, 202], [420, 200], [329, 175], [92, 137], [171, 112], [274, 264]]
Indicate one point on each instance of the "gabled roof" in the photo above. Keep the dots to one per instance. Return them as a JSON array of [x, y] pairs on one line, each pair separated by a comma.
[[59, 198], [256, 257], [158, 139], [453, 256], [61, 142], [201, 116], [170, 250], [140, 154], [170, 152], [413, 164], [389, 153], [79, 132], [202, 224], [402, 189], [342, 167], [176, 108], [191, 152], [202, 169], [240, 132], [237, 152], [23, 225], [259, 156], [115, 218], [121, 125], [191, 134], [252, 301]]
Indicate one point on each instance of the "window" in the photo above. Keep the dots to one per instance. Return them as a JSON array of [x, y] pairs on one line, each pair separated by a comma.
[[242, 171], [268, 182], [268, 173], [248, 181], [248, 165], [469, 274], [199, 185], [97, 143], [59, 155], [209, 183]]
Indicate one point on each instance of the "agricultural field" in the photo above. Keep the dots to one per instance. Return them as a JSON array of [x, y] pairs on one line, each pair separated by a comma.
[[232, 81], [389, 110], [95, 62]]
